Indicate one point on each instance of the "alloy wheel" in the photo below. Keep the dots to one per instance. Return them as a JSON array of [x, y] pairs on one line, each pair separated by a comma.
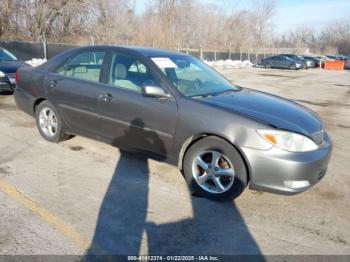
[[213, 171], [48, 122]]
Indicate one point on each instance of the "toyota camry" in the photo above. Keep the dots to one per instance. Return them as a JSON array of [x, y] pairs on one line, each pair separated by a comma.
[[173, 107]]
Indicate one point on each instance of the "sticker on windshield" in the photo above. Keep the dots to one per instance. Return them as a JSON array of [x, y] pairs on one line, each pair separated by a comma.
[[164, 62]]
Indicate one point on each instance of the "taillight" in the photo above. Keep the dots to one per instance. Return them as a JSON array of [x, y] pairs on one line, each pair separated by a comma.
[[17, 77]]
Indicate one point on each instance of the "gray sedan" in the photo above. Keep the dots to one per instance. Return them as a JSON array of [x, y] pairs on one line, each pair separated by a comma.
[[306, 62], [282, 62], [172, 107]]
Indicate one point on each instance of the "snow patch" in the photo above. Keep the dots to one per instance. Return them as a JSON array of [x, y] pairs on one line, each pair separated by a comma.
[[229, 64], [36, 61]]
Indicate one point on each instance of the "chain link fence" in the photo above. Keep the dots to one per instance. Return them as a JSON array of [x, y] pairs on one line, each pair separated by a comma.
[[27, 50]]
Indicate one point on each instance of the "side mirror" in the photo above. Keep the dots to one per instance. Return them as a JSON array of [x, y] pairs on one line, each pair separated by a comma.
[[155, 91]]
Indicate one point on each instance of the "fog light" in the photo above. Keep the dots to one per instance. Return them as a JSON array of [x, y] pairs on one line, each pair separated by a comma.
[[297, 184]]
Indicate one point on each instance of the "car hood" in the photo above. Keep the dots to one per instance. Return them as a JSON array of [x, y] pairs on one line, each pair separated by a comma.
[[11, 66], [273, 110]]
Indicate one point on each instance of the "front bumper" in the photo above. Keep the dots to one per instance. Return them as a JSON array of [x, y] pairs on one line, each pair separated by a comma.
[[279, 171], [310, 64]]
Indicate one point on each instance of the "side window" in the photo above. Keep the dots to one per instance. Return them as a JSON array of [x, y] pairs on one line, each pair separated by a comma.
[[138, 67], [128, 73], [85, 65]]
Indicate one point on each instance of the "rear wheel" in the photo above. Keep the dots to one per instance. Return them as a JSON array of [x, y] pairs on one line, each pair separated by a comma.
[[293, 67], [213, 168], [49, 123]]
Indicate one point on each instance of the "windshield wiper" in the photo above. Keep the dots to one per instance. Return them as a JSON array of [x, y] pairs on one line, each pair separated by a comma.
[[226, 92], [199, 96], [229, 91]]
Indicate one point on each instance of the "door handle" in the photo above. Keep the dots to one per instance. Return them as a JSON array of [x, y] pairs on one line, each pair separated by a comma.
[[52, 83], [106, 97]]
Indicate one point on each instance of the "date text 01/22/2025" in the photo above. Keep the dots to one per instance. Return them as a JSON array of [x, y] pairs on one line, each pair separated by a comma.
[[173, 258]]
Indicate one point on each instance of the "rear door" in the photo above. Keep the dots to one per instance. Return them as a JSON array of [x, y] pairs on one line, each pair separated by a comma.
[[74, 90], [130, 119]]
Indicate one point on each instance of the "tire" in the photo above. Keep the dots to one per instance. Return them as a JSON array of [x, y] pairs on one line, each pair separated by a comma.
[[268, 66], [50, 128], [229, 162]]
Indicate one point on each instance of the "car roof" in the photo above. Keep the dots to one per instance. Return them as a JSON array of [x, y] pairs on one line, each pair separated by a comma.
[[145, 51], [131, 50]]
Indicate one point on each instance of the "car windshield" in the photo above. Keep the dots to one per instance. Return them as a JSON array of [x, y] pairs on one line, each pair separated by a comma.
[[192, 77], [6, 55], [295, 57], [289, 59]]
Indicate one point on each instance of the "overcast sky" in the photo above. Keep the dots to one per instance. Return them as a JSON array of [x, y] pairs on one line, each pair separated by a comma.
[[289, 13]]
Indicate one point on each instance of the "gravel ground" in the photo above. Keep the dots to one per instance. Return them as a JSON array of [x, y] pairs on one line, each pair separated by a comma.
[[85, 196]]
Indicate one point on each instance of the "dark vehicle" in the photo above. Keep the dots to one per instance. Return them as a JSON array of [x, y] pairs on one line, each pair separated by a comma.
[[336, 57], [323, 57], [318, 62], [307, 63], [174, 108], [8, 67], [347, 64], [341, 57], [281, 62]]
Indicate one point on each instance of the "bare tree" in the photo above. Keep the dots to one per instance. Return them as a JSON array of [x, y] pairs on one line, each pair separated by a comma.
[[163, 23], [264, 12], [337, 36], [239, 27]]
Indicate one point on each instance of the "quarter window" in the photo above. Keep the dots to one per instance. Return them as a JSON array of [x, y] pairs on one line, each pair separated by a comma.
[[86, 65], [129, 73]]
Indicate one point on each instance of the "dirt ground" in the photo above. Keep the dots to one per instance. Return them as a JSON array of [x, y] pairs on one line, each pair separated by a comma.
[[84, 196]]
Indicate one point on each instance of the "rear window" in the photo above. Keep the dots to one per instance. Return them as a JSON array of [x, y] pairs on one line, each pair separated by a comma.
[[86, 65]]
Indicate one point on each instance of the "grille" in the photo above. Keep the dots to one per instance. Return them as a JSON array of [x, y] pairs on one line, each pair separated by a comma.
[[12, 75], [318, 137]]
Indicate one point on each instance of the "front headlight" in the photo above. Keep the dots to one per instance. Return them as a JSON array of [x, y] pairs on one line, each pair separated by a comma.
[[2, 74], [288, 141]]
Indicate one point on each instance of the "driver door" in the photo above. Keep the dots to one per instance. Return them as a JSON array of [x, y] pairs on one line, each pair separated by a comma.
[[130, 119]]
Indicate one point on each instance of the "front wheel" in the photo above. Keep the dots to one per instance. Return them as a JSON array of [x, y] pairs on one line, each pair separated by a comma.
[[213, 168], [49, 123], [268, 66]]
